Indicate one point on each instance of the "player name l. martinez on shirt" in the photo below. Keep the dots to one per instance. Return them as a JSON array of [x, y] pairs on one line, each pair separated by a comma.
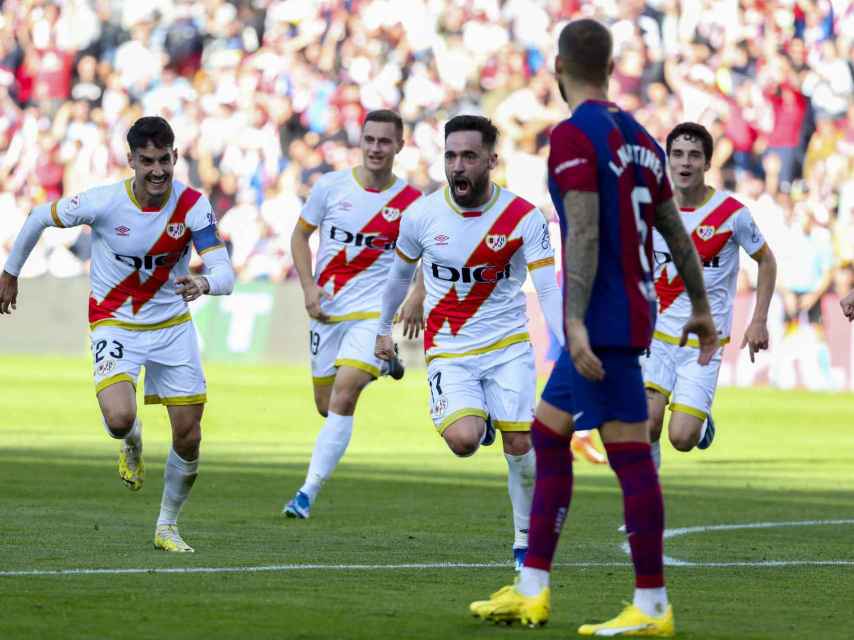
[[474, 263], [718, 228], [358, 233], [602, 149], [137, 253]]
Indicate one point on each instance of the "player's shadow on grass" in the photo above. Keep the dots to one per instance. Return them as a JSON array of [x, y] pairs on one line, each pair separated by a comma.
[[377, 514]]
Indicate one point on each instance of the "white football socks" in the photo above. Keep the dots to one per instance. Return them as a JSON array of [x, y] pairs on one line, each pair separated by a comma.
[[521, 473], [329, 448], [532, 581], [178, 479], [655, 451], [653, 602]]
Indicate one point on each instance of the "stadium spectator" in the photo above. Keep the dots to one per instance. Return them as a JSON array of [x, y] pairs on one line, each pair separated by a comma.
[[257, 88]]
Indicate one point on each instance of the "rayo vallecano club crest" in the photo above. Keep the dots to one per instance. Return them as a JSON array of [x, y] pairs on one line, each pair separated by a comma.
[[705, 231], [390, 213], [175, 229], [496, 242]]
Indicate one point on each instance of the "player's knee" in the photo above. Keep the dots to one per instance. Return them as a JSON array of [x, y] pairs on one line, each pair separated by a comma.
[[461, 445], [684, 440], [187, 445], [343, 401], [119, 422], [655, 426], [518, 445], [345, 393]]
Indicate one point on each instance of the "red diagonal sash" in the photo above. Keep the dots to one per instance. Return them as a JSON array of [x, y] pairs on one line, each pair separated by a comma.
[[457, 312], [340, 270], [132, 286], [668, 290]]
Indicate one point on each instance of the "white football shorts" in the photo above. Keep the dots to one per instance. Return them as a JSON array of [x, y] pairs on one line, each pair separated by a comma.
[[673, 371], [173, 364], [499, 383], [349, 343]]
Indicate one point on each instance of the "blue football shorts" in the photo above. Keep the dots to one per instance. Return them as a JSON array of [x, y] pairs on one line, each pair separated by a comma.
[[619, 396]]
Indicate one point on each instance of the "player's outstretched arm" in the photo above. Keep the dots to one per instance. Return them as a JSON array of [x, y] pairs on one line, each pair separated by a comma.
[[8, 292], [40, 218], [399, 277], [301, 253], [581, 259], [756, 335], [670, 226], [412, 312]]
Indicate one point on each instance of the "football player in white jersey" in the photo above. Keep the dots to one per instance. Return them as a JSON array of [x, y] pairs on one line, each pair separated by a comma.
[[138, 313], [718, 224], [358, 213], [477, 242]]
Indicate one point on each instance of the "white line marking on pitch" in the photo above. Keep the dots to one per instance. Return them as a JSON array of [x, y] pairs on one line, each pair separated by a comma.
[[675, 533], [669, 533], [297, 567]]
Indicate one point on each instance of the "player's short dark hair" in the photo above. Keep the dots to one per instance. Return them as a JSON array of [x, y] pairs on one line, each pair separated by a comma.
[[488, 131], [386, 115], [585, 46], [153, 129], [692, 131]]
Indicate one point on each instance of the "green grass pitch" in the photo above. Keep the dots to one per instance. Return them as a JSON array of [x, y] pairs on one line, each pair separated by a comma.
[[399, 498]]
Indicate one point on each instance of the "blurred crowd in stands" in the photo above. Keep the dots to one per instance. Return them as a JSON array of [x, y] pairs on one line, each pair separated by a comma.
[[266, 95]]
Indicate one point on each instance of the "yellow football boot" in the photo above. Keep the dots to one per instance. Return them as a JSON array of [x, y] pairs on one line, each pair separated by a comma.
[[633, 622], [167, 538], [131, 466], [508, 605]]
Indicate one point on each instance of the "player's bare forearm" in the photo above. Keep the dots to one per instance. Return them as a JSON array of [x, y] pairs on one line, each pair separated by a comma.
[[684, 255], [581, 255], [301, 254], [765, 282], [412, 312]]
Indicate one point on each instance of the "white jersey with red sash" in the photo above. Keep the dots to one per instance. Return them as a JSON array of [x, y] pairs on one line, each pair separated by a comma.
[[137, 253], [718, 228], [358, 233], [475, 263]]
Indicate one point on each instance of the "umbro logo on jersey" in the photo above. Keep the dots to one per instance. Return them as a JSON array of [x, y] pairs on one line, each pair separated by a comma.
[[175, 229], [496, 242], [441, 239], [122, 230], [705, 231], [390, 213]]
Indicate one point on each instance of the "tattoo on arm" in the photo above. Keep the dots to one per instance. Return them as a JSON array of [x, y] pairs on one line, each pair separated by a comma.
[[684, 254], [581, 255]]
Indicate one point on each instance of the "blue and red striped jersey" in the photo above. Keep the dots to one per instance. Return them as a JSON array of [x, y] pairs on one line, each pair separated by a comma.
[[603, 149]]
